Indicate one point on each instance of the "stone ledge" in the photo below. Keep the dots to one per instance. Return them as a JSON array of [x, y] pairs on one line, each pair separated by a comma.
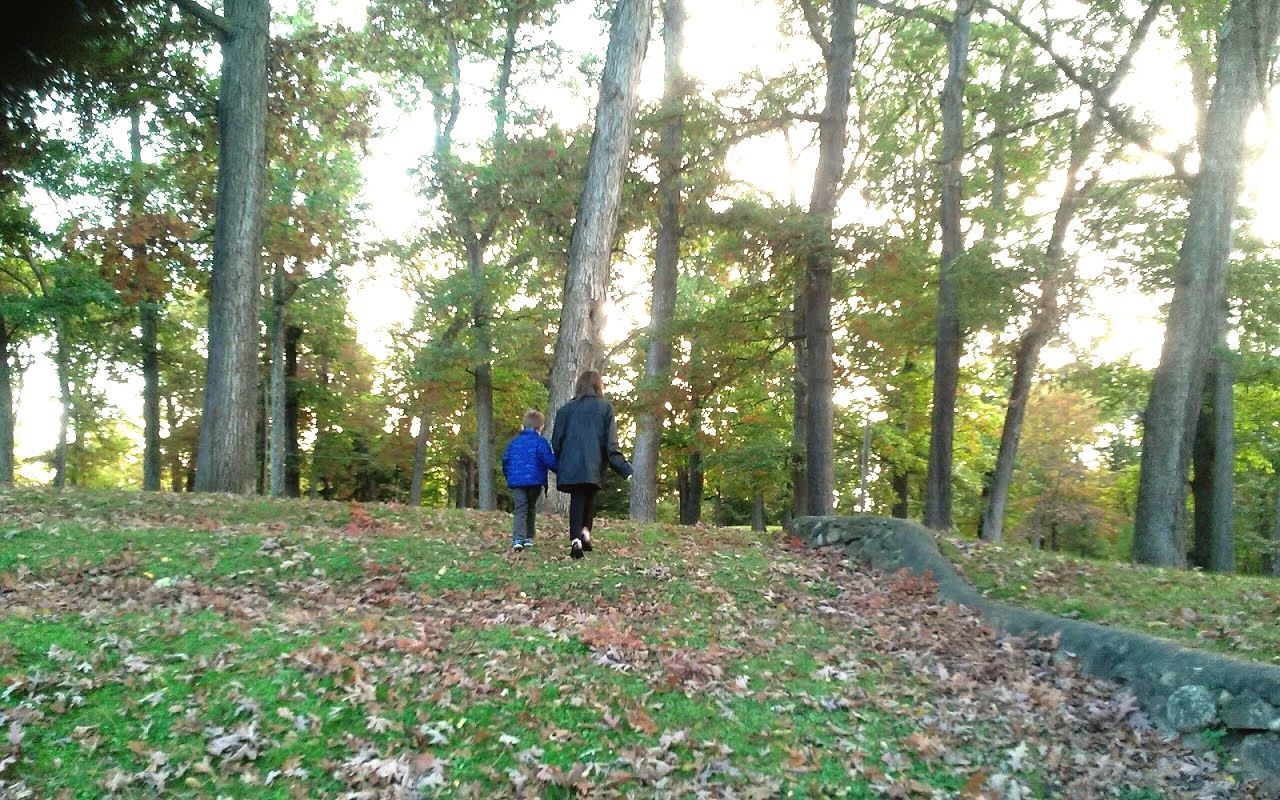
[[1182, 689]]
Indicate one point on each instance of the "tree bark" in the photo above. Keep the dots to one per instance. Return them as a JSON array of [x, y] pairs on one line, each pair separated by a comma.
[[901, 481], [757, 510], [276, 440], [578, 341], [690, 481], [152, 460], [864, 467], [483, 374], [6, 407], [420, 443], [800, 409], [666, 266], [1246, 37], [690, 478], [174, 456], [262, 437], [1271, 561], [292, 452], [313, 487], [224, 461], [1213, 454], [62, 362], [820, 366], [947, 345]]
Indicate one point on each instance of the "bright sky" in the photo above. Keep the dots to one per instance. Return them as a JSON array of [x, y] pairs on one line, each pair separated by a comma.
[[725, 39]]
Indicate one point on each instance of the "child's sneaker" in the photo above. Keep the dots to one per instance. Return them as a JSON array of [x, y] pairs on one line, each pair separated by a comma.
[[517, 547], [586, 540], [528, 543], [575, 548]]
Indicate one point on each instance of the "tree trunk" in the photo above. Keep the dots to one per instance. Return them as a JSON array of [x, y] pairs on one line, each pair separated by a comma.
[[1271, 561], [292, 453], [947, 345], [1046, 319], [578, 340], [420, 443], [149, 318], [864, 467], [6, 408], [901, 482], [461, 482], [276, 382], [690, 485], [483, 374], [820, 364], [62, 363], [757, 510], [666, 266], [1247, 35], [800, 409], [1202, 461], [690, 478], [263, 438], [173, 454], [152, 461], [225, 452], [1213, 454]]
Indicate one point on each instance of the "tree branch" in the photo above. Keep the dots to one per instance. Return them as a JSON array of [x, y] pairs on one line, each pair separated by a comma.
[[927, 14], [815, 27], [1117, 118], [1000, 133], [216, 21]]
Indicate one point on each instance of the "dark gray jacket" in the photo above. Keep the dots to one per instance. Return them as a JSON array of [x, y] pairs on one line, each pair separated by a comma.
[[585, 438]]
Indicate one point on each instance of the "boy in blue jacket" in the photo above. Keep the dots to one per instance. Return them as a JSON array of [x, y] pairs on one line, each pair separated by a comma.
[[524, 464]]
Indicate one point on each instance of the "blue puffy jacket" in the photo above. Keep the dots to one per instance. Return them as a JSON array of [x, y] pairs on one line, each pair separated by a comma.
[[526, 460]]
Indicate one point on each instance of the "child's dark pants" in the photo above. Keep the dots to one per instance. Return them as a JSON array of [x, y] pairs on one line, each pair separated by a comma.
[[526, 503]]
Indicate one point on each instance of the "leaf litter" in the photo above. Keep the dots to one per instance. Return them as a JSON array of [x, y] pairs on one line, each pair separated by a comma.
[[673, 663]]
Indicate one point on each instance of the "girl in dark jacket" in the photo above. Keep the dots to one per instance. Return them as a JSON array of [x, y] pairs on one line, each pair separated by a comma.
[[585, 439]]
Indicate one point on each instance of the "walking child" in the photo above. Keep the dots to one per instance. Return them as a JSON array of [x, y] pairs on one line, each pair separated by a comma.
[[524, 464]]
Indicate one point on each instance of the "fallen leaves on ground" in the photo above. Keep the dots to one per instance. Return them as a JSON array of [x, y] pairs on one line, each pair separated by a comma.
[[669, 663]]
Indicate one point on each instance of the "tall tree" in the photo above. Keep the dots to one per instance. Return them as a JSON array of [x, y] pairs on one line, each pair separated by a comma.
[[1245, 43], [666, 266], [1213, 454], [579, 345], [838, 52], [1057, 275], [318, 128], [947, 344], [19, 315], [225, 455]]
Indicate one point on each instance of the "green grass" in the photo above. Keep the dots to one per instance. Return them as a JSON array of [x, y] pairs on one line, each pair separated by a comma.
[[1230, 614], [354, 647]]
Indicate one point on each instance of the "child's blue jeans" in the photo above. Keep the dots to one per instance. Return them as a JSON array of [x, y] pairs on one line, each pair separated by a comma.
[[526, 503]]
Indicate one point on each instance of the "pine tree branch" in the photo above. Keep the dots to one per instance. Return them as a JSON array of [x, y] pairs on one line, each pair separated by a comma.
[[208, 17]]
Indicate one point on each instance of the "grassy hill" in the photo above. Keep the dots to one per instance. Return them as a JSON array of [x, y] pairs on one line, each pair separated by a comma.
[[212, 646], [1231, 614]]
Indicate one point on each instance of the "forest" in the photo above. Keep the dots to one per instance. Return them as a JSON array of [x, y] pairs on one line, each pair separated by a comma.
[[1005, 267]]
